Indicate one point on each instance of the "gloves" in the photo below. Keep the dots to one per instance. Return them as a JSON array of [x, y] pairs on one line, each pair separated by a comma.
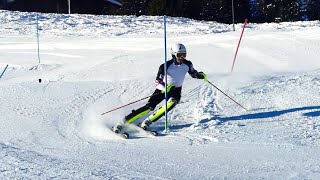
[[170, 87], [202, 75]]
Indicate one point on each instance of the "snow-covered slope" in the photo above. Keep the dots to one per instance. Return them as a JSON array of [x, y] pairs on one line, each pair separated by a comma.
[[92, 64]]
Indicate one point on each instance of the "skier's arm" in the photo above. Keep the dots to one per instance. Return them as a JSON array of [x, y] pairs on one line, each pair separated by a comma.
[[159, 80], [160, 74], [195, 74]]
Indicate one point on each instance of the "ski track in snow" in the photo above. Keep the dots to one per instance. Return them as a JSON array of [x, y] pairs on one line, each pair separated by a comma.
[[92, 64]]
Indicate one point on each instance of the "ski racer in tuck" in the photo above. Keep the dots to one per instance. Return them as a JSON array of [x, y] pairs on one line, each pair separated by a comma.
[[177, 68]]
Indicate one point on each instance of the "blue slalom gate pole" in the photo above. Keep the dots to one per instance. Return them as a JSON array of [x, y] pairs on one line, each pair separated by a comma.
[[166, 128], [4, 71], [38, 37]]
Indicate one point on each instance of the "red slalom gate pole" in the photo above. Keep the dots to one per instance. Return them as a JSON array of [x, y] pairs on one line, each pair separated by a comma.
[[235, 55]]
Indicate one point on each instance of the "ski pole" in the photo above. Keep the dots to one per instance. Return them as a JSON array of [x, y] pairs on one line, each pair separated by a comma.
[[226, 95], [128, 104], [4, 71]]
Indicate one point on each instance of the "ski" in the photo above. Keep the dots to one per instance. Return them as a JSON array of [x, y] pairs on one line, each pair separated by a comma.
[[154, 133], [124, 135], [151, 133]]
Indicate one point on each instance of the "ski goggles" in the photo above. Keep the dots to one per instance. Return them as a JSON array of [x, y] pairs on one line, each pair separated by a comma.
[[181, 55]]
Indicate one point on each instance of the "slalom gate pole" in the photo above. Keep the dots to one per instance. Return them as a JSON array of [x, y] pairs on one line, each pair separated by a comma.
[[69, 7], [127, 104], [166, 126], [4, 71], [226, 95], [38, 37], [235, 55]]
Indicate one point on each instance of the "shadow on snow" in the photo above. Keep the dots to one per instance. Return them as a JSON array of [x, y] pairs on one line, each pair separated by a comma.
[[259, 115], [271, 114]]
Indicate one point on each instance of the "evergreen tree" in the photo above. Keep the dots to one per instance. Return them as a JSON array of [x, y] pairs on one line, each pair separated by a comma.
[[132, 7], [253, 11], [303, 7], [208, 10], [292, 10], [156, 7], [192, 9], [3, 4], [217, 10], [241, 10], [221, 11], [280, 10], [313, 9], [258, 11]]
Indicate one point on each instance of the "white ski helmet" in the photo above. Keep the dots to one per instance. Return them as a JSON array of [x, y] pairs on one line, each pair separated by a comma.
[[178, 48]]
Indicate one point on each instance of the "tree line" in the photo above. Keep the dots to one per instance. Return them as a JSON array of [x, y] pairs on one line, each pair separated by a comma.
[[258, 11]]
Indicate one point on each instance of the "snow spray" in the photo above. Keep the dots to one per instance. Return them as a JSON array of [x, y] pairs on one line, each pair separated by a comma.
[[235, 55], [226, 95]]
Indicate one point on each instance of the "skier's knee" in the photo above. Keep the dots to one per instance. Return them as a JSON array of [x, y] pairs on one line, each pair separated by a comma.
[[136, 114], [150, 106]]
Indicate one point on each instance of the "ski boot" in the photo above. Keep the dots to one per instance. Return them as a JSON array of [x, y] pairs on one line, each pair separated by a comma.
[[145, 124], [117, 129]]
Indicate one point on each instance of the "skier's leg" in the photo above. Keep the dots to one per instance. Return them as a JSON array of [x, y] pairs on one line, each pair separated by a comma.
[[158, 114], [134, 115], [175, 96], [155, 99]]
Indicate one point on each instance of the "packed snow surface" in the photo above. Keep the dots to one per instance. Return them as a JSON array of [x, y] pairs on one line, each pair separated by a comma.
[[54, 129]]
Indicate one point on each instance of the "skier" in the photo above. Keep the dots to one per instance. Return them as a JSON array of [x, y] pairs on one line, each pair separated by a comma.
[[177, 68]]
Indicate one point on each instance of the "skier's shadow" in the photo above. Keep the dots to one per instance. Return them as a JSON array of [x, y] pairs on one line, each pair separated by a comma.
[[312, 114], [271, 114], [161, 132], [259, 115]]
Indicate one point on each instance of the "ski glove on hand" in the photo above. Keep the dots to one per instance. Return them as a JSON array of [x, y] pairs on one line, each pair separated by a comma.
[[202, 75], [170, 87]]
